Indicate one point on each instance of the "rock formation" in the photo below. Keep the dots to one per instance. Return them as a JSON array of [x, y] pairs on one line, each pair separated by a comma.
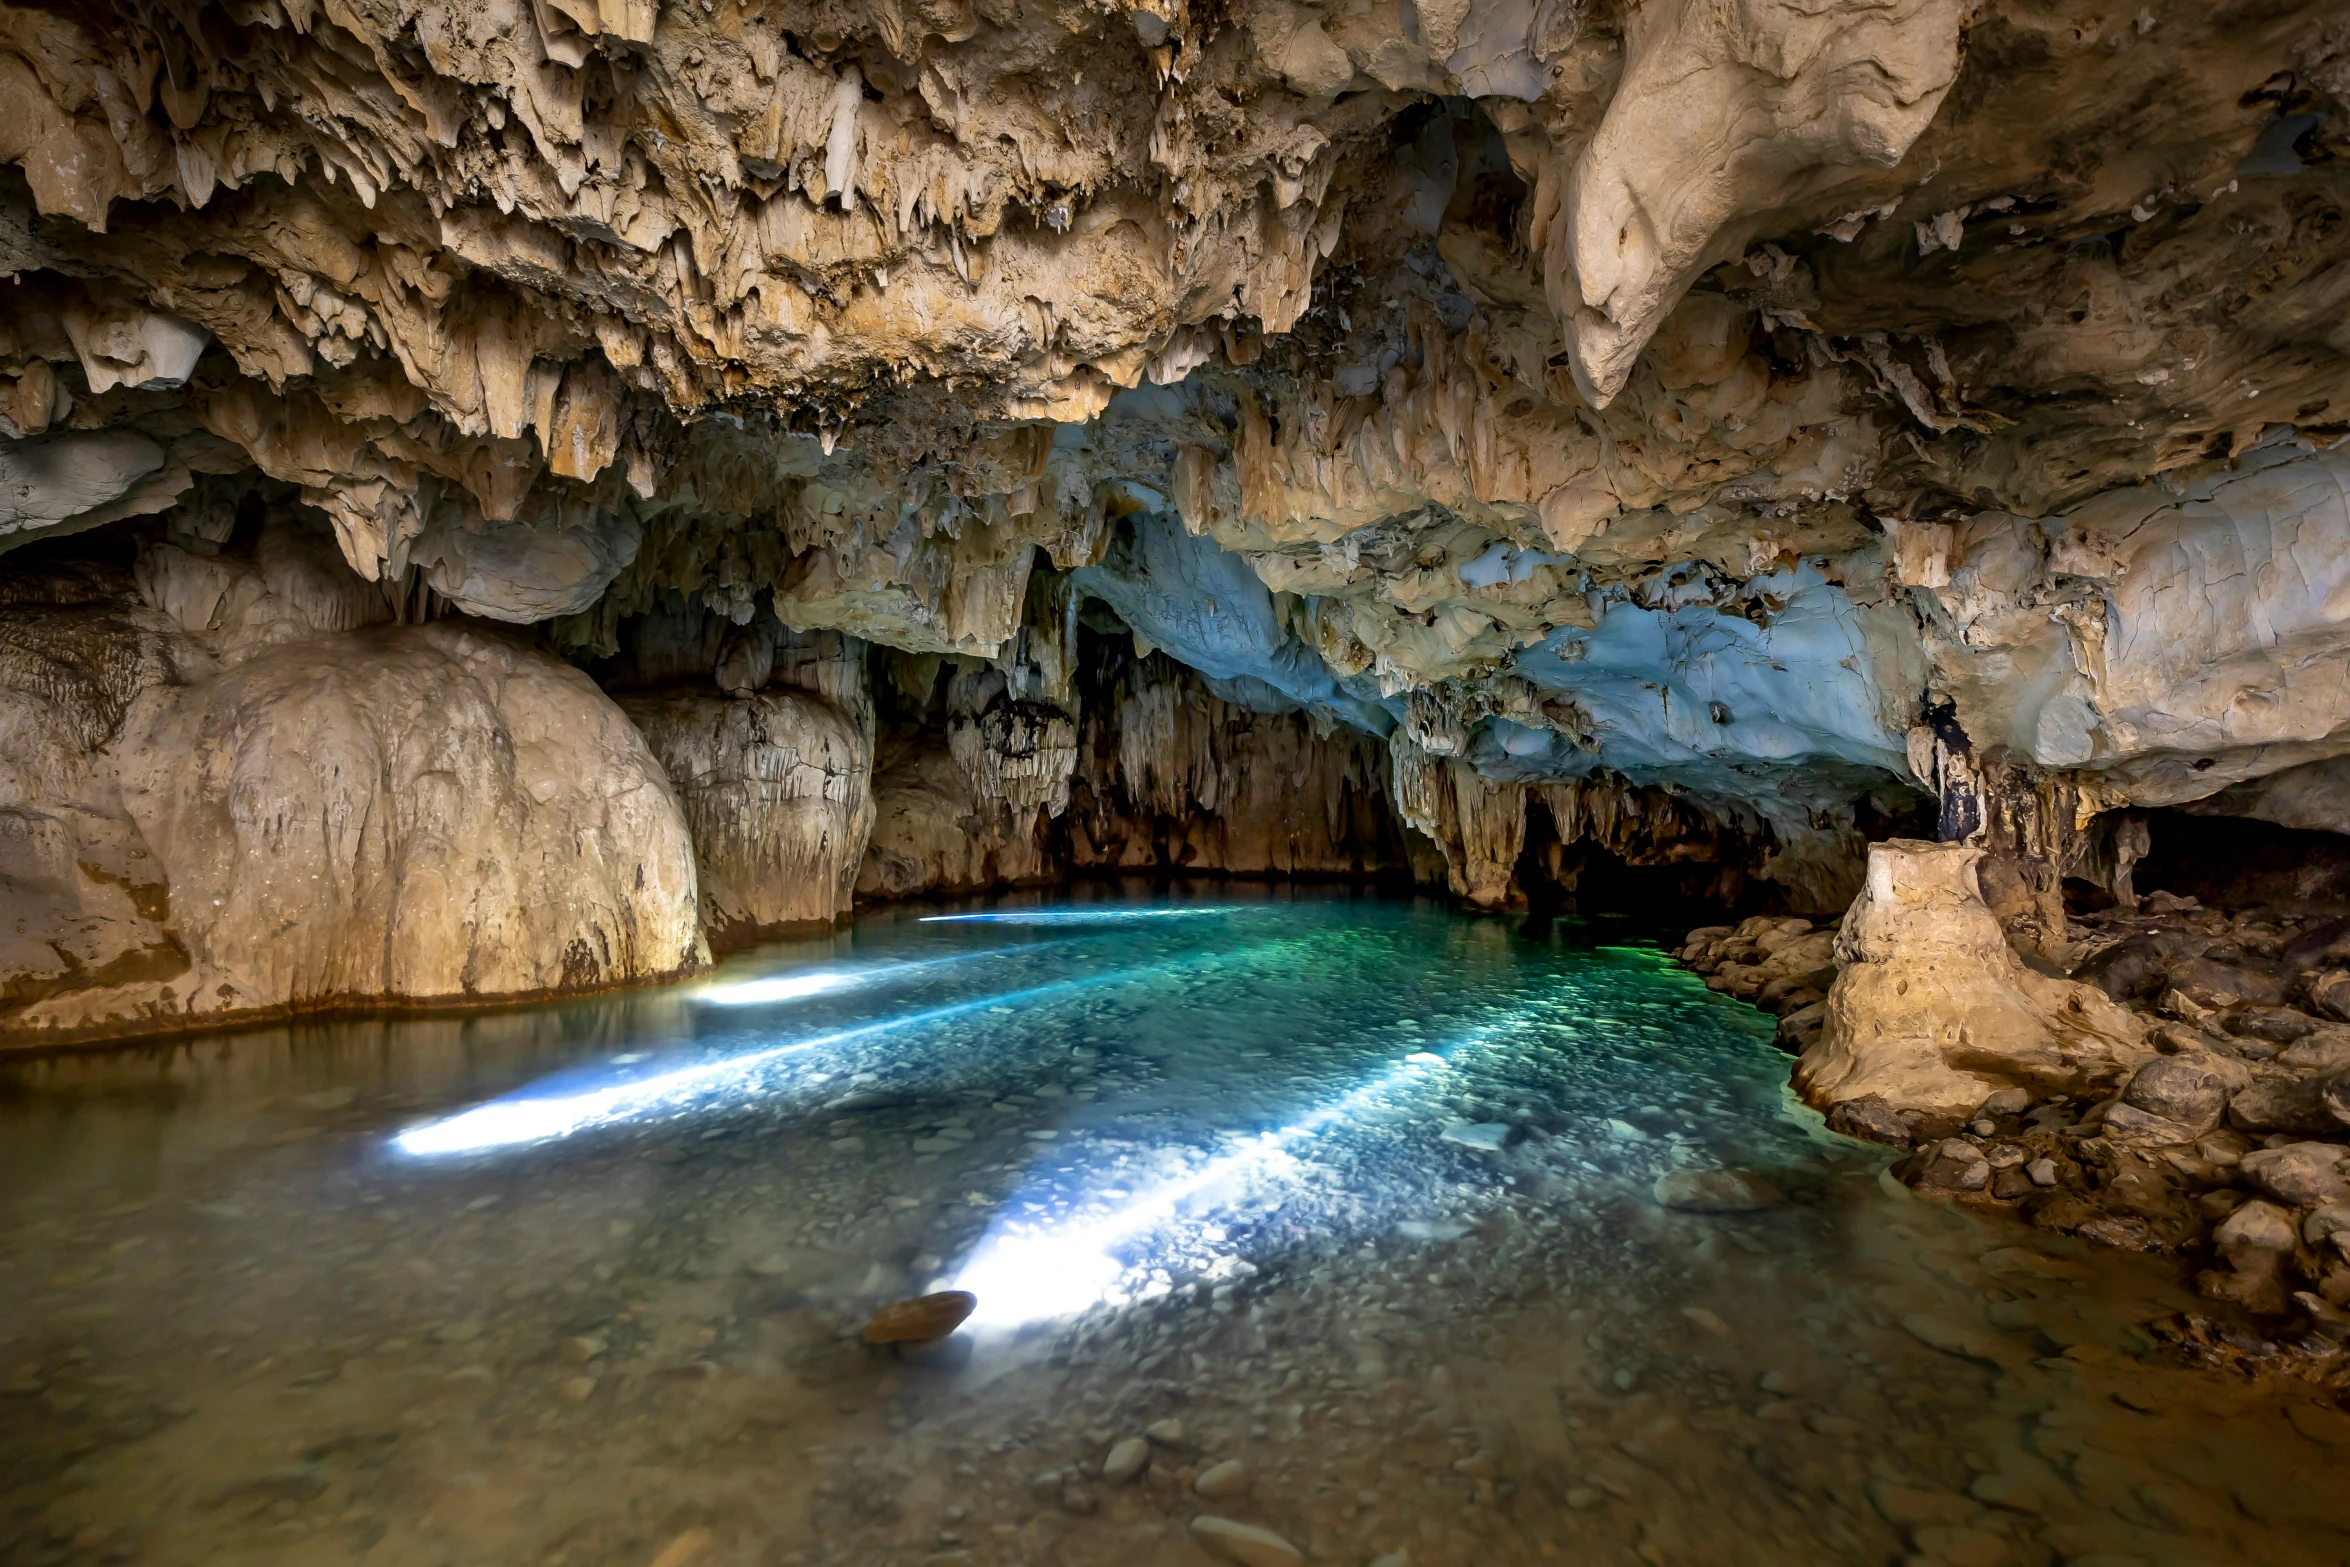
[[1932, 1010], [235, 787]]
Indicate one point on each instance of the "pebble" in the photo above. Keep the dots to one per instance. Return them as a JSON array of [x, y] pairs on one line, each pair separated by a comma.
[[1167, 1433], [1219, 1482], [2042, 1171], [1126, 1460], [1705, 1319], [1484, 1136], [1244, 1543]]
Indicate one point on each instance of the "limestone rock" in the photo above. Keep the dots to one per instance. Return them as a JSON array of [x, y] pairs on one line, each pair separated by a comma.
[[1869, 1117], [2301, 1175], [1933, 1010], [418, 814], [777, 788], [2255, 1242], [1951, 1165]]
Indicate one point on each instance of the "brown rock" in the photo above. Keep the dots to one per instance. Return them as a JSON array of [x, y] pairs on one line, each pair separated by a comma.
[[2301, 1175], [1951, 1165], [1716, 1191], [921, 1319], [1871, 1119], [2180, 1089], [2329, 994]]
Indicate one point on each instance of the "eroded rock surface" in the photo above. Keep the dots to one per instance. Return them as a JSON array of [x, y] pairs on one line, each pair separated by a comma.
[[278, 810], [1932, 1009]]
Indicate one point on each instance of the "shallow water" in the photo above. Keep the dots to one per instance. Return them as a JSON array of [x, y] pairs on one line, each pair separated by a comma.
[[581, 1283]]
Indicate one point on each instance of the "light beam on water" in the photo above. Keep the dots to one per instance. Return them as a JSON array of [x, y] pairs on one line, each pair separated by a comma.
[[532, 1118], [1030, 1273]]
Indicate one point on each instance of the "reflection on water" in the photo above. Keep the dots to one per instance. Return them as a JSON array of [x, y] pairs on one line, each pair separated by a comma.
[[1330, 1215]]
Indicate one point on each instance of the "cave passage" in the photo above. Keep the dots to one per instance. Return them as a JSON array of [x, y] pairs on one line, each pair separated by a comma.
[[1409, 1235]]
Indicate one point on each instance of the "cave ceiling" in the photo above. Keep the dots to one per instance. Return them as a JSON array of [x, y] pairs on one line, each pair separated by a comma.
[[1688, 389]]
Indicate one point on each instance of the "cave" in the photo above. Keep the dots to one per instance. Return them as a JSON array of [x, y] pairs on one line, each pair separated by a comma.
[[826, 783]]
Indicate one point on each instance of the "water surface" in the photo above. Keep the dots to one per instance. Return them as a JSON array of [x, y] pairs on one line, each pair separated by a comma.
[[1355, 1192]]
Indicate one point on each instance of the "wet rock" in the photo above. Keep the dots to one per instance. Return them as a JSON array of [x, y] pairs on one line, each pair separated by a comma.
[[2008, 1101], [1165, 1433], [2126, 1123], [2182, 1090], [1222, 1481], [1125, 1460], [2042, 1171], [2301, 1175], [2329, 994], [1871, 1118], [1951, 1165], [923, 1318], [2254, 1242], [2281, 1105], [2277, 1025], [1484, 1136], [1716, 1191], [1244, 1543]]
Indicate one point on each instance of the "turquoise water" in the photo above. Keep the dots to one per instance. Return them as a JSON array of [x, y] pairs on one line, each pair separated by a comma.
[[1356, 1193]]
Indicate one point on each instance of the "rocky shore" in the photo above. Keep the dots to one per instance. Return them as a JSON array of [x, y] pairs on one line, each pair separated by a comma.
[[2221, 1137]]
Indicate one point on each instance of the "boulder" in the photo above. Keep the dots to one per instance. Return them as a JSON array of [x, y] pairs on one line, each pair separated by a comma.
[[2254, 1243], [406, 814], [2181, 1089], [921, 1319], [1952, 1165], [1871, 1119], [2301, 1175]]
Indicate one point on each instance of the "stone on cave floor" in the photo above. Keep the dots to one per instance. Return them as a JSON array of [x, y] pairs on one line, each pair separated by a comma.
[[1716, 1191], [923, 1318], [1870, 1117], [1244, 1543]]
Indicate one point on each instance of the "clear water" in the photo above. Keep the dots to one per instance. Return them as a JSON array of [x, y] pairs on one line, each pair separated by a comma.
[[580, 1284]]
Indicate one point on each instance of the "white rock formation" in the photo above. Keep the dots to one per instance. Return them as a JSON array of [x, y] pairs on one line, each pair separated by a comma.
[[1933, 1010]]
